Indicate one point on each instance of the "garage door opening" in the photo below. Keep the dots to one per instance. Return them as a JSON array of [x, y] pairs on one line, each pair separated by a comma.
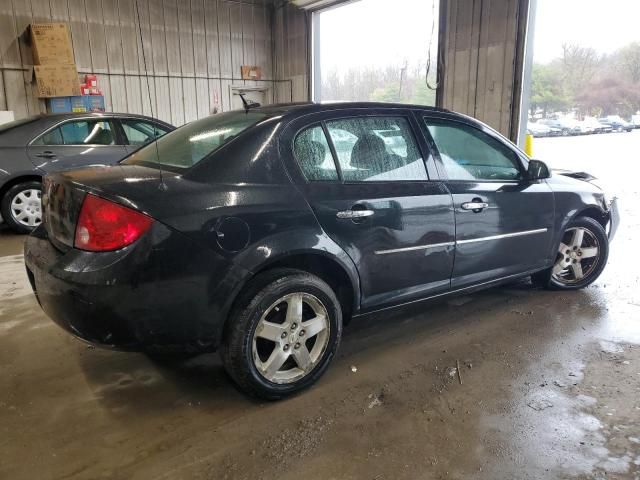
[[370, 50]]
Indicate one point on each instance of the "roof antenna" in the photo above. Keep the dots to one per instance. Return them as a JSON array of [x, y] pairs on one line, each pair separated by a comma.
[[163, 186], [248, 104]]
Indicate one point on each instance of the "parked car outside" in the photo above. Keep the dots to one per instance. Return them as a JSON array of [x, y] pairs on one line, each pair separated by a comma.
[[565, 125], [635, 121], [541, 130], [251, 233], [596, 126], [32, 147], [616, 123]]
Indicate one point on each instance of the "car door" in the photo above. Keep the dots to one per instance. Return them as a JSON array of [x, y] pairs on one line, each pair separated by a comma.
[[76, 143], [504, 223], [138, 132], [365, 178]]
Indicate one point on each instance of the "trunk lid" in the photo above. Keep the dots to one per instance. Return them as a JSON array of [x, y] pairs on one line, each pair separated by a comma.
[[64, 192]]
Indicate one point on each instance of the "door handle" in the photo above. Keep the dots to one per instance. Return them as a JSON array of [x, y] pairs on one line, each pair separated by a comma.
[[354, 214], [46, 154], [476, 206]]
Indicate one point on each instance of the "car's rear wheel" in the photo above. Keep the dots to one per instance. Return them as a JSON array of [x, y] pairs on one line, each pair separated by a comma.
[[580, 258], [282, 334], [21, 206]]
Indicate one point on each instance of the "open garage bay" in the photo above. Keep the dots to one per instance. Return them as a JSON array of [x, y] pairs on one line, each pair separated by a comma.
[[548, 383]]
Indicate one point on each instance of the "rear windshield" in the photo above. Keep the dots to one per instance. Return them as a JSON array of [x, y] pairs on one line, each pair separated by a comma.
[[188, 145], [16, 123]]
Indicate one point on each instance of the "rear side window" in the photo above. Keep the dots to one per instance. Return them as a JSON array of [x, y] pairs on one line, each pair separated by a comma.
[[314, 155], [376, 149], [470, 154], [191, 143], [139, 132], [80, 132]]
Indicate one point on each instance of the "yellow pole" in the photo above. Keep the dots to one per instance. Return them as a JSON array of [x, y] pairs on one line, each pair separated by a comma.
[[528, 144]]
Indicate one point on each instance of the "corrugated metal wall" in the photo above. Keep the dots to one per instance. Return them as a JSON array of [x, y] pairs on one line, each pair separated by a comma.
[[482, 42], [291, 29], [193, 51]]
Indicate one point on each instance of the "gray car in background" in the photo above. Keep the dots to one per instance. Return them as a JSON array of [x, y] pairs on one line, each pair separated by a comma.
[[32, 147]]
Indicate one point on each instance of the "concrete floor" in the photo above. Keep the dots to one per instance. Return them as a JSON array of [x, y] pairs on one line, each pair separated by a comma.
[[550, 384]]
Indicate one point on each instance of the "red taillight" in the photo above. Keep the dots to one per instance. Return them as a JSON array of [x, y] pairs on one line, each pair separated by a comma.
[[103, 225]]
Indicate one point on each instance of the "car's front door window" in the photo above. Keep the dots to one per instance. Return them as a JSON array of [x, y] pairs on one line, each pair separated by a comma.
[[80, 132], [376, 149], [470, 154]]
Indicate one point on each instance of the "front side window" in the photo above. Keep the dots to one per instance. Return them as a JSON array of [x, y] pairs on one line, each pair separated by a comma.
[[314, 155], [80, 132], [191, 143], [376, 149], [470, 154], [139, 132]]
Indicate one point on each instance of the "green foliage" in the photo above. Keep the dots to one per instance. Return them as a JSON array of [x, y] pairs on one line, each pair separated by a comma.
[[547, 91], [388, 93], [423, 95]]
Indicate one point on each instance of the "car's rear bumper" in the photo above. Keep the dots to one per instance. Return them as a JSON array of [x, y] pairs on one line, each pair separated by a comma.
[[163, 291]]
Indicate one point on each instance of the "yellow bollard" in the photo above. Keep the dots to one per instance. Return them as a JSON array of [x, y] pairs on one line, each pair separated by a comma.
[[528, 144]]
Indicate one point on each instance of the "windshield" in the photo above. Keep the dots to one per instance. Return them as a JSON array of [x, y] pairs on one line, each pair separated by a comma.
[[188, 145], [16, 123]]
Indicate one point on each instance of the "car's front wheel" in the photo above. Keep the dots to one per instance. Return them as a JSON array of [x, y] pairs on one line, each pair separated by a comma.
[[580, 259], [282, 334], [21, 206]]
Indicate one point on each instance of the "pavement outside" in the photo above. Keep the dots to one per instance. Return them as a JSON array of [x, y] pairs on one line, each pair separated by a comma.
[[548, 384]]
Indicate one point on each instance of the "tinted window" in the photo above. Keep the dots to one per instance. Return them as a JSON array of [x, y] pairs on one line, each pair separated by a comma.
[[188, 145], [139, 132], [79, 132], [314, 155], [469, 154], [376, 149]]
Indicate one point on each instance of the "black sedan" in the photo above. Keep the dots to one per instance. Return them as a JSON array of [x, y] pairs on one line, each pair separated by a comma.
[[32, 147], [262, 232]]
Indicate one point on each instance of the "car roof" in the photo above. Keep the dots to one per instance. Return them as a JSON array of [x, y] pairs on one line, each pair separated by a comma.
[[299, 109]]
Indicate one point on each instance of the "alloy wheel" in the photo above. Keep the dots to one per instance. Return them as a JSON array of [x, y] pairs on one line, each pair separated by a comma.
[[291, 337], [578, 256], [26, 207]]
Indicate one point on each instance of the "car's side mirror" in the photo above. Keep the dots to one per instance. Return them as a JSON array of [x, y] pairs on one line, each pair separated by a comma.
[[537, 170]]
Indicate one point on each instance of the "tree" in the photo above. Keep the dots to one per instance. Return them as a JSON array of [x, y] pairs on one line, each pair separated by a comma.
[[579, 66], [547, 92], [388, 93], [629, 61], [423, 95], [609, 96]]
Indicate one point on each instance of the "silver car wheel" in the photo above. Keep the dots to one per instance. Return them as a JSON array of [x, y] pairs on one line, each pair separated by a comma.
[[578, 256], [26, 207], [291, 338]]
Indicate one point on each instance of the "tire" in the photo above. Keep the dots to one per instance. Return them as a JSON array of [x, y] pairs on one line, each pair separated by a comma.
[[266, 302], [594, 243], [33, 209]]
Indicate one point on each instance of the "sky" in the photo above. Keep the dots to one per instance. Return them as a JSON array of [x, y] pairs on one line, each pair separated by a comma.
[[370, 33], [604, 25]]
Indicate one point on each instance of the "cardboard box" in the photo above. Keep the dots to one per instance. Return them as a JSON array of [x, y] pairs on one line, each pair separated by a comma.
[[93, 103], [57, 80], [91, 80], [51, 44], [59, 105], [251, 72], [76, 104]]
